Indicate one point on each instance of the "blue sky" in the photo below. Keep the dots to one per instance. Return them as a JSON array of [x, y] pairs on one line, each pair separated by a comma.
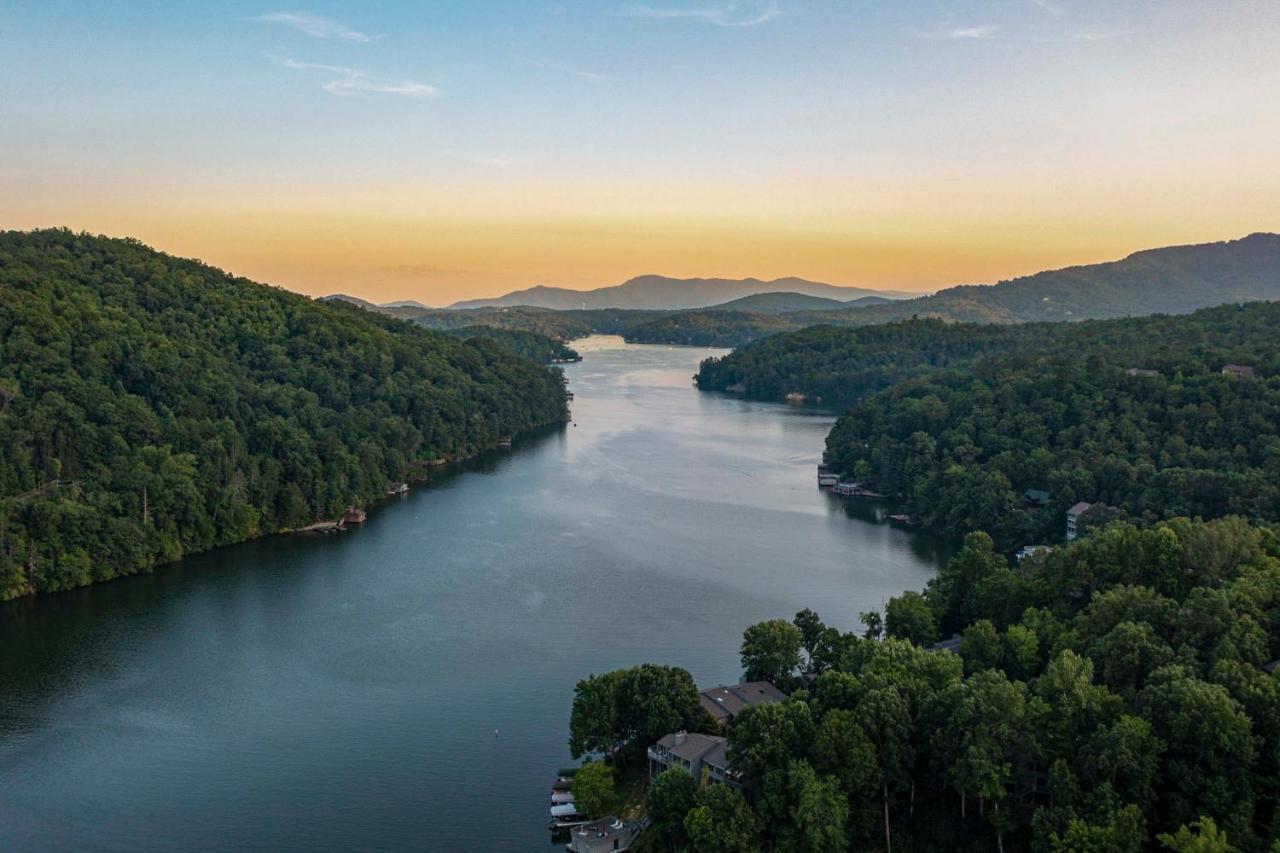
[[909, 144]]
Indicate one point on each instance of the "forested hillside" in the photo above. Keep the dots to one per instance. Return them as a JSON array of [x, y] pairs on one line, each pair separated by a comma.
[[837, 366], [1174, 280], [1111, 696], [958, 421], [536, 347], [708, 328], [152, 407]]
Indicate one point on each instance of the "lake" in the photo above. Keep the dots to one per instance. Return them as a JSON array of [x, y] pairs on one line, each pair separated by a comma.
[[408, 684]]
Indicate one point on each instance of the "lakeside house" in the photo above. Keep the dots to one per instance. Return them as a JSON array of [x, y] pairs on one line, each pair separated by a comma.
[[1035, 498], [1241, 371], [397, 488], [354, 515], [951, 645], [724, 703], [1073, 519], [695, 754], [1030, 550], [608, 834]]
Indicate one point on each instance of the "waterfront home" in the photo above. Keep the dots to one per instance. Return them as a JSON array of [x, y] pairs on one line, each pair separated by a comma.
[[505, 442], [397, 488], [1073, 519], [1035, 498], [354, 515], [609, 834], [695, 754], [1028, 550], [1242, 371], [724, 703], [952, 645]]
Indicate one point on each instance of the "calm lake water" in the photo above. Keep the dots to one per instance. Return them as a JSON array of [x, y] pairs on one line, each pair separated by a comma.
[[307, 693]]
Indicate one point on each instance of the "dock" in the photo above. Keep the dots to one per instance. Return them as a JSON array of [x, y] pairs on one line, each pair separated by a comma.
[[856, 490], [322, 527]]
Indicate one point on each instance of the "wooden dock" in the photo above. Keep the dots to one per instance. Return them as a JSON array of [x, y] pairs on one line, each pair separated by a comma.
[[856, 490]]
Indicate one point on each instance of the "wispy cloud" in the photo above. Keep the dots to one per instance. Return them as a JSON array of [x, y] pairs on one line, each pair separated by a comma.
[[722, 15], [316, 26], [561, 68], [982, 31], [349, 82], [979, 31], [1049, 6]]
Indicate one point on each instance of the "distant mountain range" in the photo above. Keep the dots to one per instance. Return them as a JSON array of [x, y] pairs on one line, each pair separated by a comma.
[[1172, 280], [729, 312], [781, 303], [663, 293]]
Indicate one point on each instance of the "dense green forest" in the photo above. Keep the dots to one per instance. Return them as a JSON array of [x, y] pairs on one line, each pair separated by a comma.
[[708, 328], [561, 325], [1108, 695], [540, 348], [837, 366], [957, 421], [152, 407]]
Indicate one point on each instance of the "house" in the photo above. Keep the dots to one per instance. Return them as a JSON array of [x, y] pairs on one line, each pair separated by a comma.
[[725, 703], [1028, 550], [1035, 497], [354, 515], [952, 645], [1242, 371], [397, 488], [607, 835], [1142, 371], [1073, 519], [694, 753]]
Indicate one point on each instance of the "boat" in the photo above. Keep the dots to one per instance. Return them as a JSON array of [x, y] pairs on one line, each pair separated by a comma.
[[559, 823], [564, 810], [559, 798], [900, 519], [505, 442], [827, 476], [562, 785]]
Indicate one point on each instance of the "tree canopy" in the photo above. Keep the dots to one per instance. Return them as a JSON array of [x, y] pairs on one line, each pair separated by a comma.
[[1110, 694], [152, 407]]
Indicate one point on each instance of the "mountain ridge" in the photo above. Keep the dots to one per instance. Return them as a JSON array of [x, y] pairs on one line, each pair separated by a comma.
[[653, 291]]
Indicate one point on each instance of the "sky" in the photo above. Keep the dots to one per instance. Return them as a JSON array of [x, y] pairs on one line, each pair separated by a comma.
[[442, 150]]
